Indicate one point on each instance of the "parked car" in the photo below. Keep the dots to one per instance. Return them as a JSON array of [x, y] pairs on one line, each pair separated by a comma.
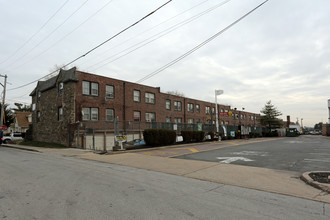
[[12, 137]]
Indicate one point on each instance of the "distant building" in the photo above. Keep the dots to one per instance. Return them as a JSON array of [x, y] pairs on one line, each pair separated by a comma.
[[72, 99], [21, 122]]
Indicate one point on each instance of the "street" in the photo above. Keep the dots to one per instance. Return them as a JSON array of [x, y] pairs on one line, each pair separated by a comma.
[[301, 154], [47, 186]]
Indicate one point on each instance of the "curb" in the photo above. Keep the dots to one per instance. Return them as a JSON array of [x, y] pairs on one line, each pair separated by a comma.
[[306, 178], [21, 148]]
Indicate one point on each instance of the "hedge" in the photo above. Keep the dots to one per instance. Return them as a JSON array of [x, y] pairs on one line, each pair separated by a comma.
[[191, 136], [159, 137]]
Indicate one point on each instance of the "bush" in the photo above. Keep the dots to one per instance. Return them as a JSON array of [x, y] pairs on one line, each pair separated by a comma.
[[191, 136], [159, 137]]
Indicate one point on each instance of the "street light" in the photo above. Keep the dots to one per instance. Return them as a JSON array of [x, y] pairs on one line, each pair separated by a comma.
[[217, 92]]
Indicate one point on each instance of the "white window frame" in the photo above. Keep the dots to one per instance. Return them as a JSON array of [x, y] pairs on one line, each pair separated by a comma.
[[177, 106], [168, 104], [150, 116], [86, 112], [190, 107], [109, 92], [150, 97], [137, 96], [60, 114], [94, 114], [190, 121], [85, 87], [109, 114], [198, 108], [135, 113], [94, 89], [207, 110]]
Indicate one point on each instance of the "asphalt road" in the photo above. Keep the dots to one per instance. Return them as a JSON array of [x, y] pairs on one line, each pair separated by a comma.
[[45, 186], [300, 154]]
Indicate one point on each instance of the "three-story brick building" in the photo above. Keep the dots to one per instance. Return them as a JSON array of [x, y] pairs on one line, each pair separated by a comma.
[[62, 102]]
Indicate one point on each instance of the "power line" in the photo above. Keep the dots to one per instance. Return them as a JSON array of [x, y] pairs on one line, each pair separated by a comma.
[[65, 36], [157, 36], [27, 41], [99, 45], [143, 32], [51, 33], [198, 46]]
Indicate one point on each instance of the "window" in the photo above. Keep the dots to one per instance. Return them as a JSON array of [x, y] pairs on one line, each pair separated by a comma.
[[60, 113], [109, 92], [168, 104], [94, 114], [242, 116], [177, 120], [226, 123], [90, 114], [90, 88], [95, 89], [150, 98], [207, 110], [85, 86], [213, 110], [177, 106], [168, 120], [38, 116], [198, 109], [86, 114], [222, 122], [60, 88], [190, 121], [137, 116], [198, 121], [236, 116], [137, 95], [150, 117], [221, 110], [110, 114], [38, 96], [190, 107]]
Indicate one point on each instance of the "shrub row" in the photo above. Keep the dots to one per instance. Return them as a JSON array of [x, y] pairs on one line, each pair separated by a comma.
[[159, 137], [192, 136]]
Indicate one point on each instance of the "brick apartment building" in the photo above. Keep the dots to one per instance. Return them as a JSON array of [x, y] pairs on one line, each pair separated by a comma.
[[72, 96]]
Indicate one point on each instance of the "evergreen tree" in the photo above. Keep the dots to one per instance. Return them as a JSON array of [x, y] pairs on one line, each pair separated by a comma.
[[269, 116], [8, 117]]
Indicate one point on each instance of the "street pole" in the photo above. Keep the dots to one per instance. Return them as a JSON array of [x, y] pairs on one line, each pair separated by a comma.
[[217, 92], [3, 100]]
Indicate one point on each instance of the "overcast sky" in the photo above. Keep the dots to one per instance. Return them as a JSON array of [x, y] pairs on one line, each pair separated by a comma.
[[280, 52]]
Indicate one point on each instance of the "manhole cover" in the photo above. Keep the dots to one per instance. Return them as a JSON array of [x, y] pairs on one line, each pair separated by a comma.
[[323, 177]]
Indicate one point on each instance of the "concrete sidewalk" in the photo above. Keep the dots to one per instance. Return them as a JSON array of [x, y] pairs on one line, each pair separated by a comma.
[[276, 181]]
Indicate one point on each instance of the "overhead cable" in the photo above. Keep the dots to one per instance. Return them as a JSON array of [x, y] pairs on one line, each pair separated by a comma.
[[104, 42], [156, 36], [65, 36], [198, 46], [51, 33], [28, 40]]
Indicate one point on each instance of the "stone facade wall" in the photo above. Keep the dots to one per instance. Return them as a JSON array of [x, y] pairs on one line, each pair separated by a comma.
[[50, 128]]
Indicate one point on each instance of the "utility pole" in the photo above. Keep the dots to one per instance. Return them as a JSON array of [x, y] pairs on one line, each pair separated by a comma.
[[3, 100]]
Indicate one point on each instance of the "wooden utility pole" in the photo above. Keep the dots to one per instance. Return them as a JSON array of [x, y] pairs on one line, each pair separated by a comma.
[[3, 100]]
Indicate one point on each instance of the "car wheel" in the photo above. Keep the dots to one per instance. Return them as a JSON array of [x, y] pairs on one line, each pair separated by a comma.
[[5, 141]]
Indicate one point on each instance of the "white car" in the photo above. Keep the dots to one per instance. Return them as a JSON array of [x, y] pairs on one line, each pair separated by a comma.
[[12, 137]]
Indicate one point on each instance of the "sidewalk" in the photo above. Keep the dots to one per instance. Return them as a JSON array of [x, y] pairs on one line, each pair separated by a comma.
[[276, 181]]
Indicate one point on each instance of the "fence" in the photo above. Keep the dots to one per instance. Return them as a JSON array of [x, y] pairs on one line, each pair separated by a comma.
[[101, 135]]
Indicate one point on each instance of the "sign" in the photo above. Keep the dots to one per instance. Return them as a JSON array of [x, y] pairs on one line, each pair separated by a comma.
[[232, 133], [4, 128], [121, 138], [223, 113], [233, 159], [200, 127], [230, 113]]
